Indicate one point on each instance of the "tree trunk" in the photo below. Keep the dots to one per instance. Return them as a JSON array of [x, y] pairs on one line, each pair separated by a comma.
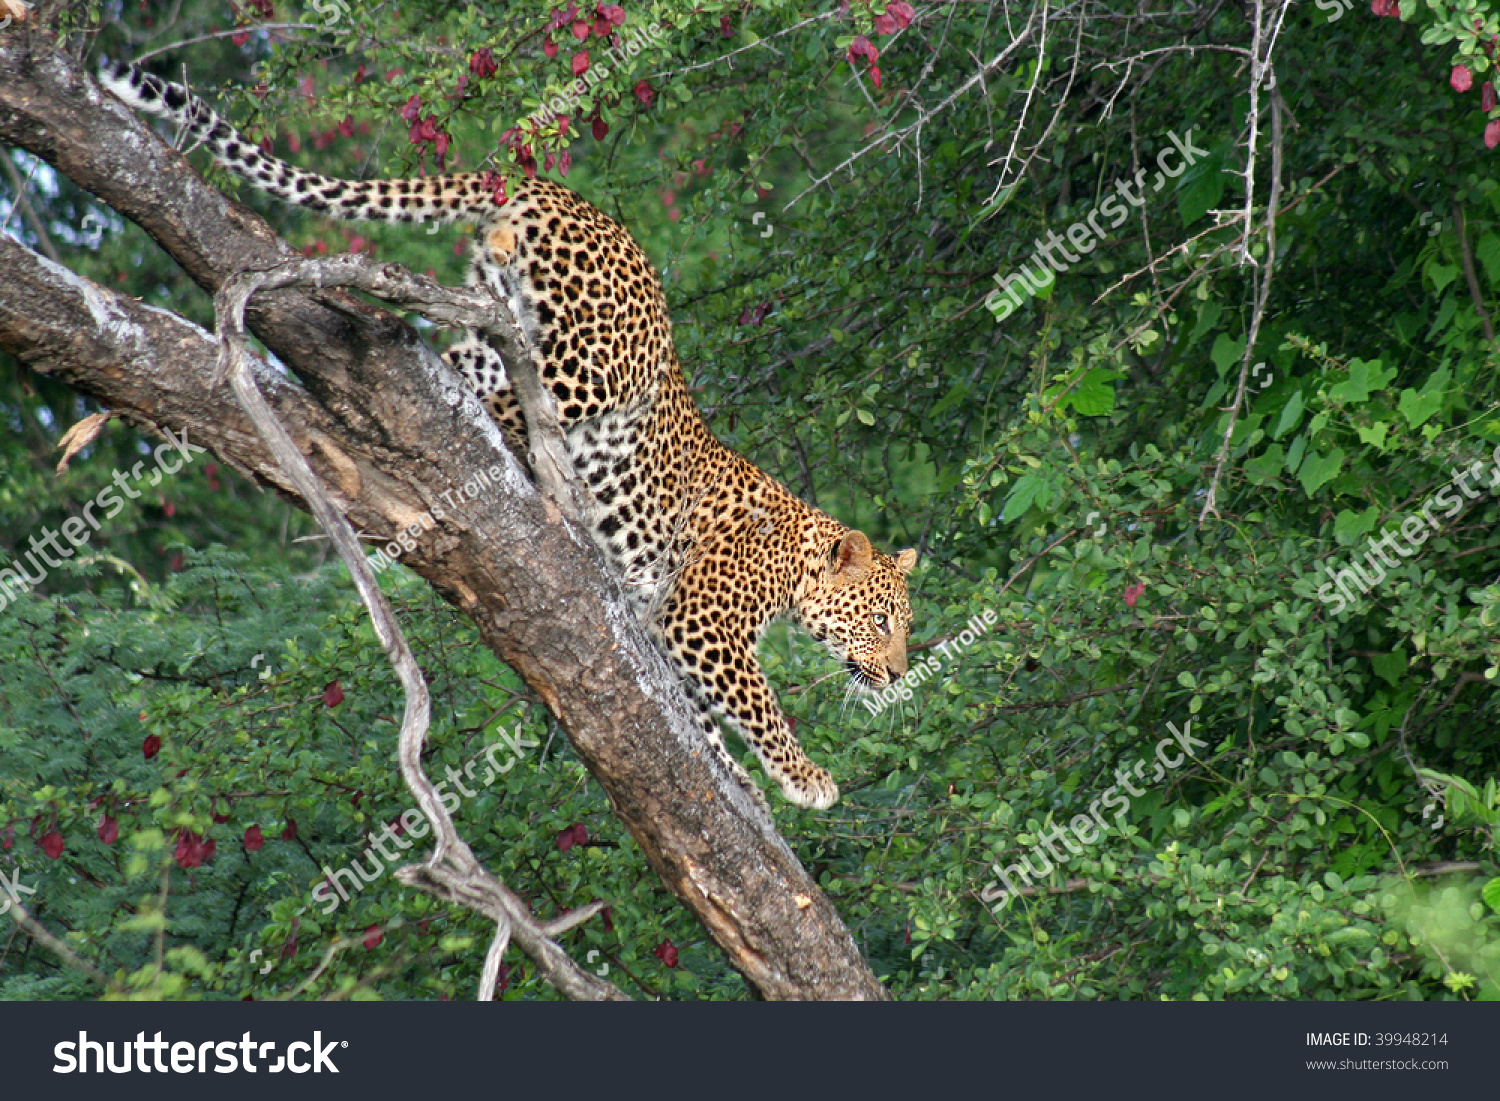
[[389, 430]]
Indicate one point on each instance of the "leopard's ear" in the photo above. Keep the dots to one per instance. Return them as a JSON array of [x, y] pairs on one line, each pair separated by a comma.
[[852, 556], [906, 560]]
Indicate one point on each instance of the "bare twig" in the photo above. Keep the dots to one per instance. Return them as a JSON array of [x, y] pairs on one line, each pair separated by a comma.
[[451, 872]]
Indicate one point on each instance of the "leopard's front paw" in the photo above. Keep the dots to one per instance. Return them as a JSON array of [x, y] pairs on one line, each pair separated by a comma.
[[812, 788]]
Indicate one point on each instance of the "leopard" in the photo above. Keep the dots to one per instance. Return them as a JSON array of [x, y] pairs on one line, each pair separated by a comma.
[[709, 549]]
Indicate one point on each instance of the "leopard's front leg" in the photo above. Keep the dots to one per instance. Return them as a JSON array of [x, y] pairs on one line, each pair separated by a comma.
[[718, 659]]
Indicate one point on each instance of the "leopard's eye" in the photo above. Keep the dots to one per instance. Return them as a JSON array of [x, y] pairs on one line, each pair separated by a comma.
[[880, 620]]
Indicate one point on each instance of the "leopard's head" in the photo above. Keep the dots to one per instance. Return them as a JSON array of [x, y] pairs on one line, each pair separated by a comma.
[[856, 603]]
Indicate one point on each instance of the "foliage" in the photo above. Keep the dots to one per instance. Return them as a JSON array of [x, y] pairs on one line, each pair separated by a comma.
[[1053, 467]]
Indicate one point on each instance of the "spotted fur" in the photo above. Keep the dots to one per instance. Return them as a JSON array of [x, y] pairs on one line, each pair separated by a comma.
[[710, 548]]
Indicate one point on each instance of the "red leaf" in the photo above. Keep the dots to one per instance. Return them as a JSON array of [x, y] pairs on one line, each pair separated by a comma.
[[875, 76], [1487, 96], [151, 746], [241, 38], [347, 126], [576, 834], [254, 839], [170, 509], [373, 937], [1133, 593], [613, 12], [412, 109], [645, 93], [9, 835], [1461, 78], [192, 850], [602, 29], [581, 30], [726, 26], [902, 12], [884, 24], [333, 695], [549, 47], [862, 47], [482, 63], [666, 951], [580, 62], [217, 817], [109, 829], [601, 129], [52, 844], [565, 162], [1492, 133], [290, 833]]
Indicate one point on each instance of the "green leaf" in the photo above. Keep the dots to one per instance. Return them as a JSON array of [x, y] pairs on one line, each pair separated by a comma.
[[1374, 434], [1266, 467], [1318, 469], [1290, 416], [1294, 455], [865, 416], [1390, 667], [1418, 405], [1030, 489], [1364, 379], [1440, 274], [1491, 894], [1226, 352], [1350, 525], [1200, 188]]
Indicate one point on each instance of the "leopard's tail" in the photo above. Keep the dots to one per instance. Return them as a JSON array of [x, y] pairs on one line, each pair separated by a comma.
[[460, 197]]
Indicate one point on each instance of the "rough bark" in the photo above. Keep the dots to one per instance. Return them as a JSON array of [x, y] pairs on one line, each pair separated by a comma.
[[389, 430]]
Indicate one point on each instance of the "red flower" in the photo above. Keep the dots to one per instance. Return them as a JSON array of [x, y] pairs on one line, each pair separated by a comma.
[[580, 62], [9, 836], [333, 695], [254, 839], [151, 746], [290, 833], [373, 937], [482, 63], [1492, 133], [1461, 78], [1133, 593], [645, 93], [52, 844], [549, 47], [666, 951], [1487, 96], [576, 834]]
